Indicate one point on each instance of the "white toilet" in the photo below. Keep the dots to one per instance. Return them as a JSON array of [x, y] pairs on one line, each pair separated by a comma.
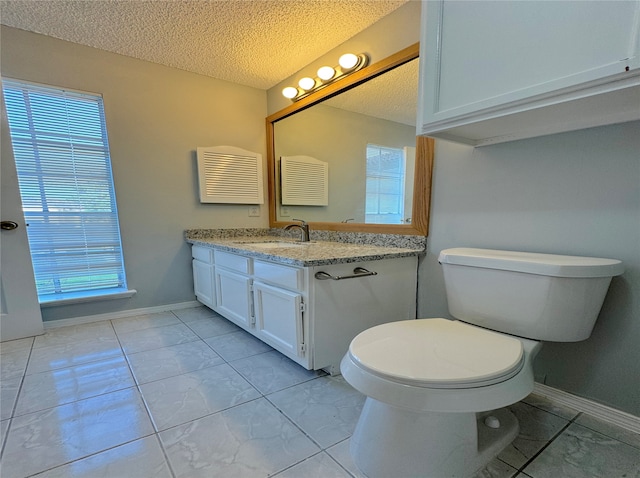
[[435, 387]]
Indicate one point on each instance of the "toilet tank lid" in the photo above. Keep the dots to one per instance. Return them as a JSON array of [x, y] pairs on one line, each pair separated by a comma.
[[532, 263]]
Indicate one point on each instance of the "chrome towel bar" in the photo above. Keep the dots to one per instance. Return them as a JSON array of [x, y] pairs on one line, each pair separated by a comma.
[[357, 272]]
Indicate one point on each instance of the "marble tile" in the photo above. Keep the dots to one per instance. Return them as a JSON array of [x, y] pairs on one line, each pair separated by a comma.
[[537, 427], [63, 356], [212, 327], [272, 371], [18, 344], [195, 313], [8, 393], [166, 362], [340, 452], [619, 433], [496, 469], [155, 338], [136, 459], [580, 452], [73, 334], [237, 345], [146, 321], [176, 400], [42, 440], [4, 425], [13, 364], [326, 409], [318, 466], [49, 389], [250, 440], [550, 406]]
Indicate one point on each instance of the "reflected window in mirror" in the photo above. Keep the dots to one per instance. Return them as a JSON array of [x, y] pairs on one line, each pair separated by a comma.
[[385, 185]]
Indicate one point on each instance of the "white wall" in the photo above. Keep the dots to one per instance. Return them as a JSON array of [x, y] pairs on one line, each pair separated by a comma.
[[574, 193], [156, 117]]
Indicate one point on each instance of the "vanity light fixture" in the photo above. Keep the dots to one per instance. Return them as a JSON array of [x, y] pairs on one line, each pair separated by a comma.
[[307, 83], [347, 64], [326, 73]]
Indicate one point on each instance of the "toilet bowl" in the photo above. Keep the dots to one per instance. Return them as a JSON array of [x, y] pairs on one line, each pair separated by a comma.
[[436, 387], [414, 417]]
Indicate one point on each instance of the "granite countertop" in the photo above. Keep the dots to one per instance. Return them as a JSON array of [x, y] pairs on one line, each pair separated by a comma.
[[289, 251]]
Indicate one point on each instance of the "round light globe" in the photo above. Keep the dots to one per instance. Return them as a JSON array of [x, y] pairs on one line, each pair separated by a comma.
[[290, 92], [326, 73], [348, 61], [307, 83]]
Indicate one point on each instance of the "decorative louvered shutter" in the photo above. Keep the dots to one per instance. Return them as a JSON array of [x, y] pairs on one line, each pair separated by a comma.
[[230, 175], [305, 181]]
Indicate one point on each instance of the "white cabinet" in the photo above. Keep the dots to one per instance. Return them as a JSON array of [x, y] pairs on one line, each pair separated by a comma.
[[279, 300], [497, 71], [344, 308], [311, 314], [233, 288], [278, 318], [203, 275]]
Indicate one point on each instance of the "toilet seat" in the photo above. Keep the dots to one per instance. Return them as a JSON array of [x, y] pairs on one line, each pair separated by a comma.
[[437, 353]]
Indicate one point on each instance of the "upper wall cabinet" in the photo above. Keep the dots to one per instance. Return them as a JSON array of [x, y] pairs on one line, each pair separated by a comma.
[[495, 71]]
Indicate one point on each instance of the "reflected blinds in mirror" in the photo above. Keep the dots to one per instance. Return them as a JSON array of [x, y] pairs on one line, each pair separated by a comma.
[[304, 180]]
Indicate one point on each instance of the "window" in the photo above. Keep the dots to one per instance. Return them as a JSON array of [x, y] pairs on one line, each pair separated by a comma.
[[385, 185], [60, 146]]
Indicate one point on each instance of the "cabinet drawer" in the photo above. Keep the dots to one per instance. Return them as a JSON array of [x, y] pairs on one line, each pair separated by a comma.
[[233, 261], [285, 276], [204, 254]]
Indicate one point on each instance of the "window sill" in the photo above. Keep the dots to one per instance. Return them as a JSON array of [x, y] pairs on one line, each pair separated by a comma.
[[80, 297]]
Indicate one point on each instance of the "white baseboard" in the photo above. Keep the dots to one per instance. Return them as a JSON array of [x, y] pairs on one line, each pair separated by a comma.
[[52, 324], [597, 410]]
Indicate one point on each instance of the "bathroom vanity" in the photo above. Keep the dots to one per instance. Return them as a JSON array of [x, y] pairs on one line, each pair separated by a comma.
[[306, 300]]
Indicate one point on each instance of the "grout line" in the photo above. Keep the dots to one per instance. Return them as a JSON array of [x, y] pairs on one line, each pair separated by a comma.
[[15, 403], [164, 453], [545, 446]]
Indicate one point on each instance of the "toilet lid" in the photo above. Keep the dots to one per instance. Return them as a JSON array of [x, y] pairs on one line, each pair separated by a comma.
[[437, 353]]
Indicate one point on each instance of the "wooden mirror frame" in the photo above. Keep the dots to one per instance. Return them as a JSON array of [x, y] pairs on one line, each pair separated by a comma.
[[423, 164]]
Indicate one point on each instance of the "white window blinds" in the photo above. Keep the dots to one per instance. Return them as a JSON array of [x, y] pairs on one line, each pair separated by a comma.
[[61, 151]]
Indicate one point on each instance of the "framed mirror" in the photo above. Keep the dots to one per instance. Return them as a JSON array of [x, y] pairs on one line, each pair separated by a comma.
[[379, 172]]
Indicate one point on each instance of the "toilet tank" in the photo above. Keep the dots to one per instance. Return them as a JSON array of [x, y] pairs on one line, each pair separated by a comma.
[[538, 296]]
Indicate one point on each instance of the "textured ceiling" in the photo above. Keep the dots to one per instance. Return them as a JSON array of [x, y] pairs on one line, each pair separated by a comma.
[[256, 43], [392, 96]]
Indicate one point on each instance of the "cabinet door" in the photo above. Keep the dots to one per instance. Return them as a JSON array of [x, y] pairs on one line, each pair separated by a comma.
[[278, 314], [532, 48], [203, 283], [487, 61], [233, 296]]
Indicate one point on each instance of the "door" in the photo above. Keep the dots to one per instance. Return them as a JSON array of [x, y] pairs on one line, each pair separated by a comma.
[[20, 314], [203, 277], [279, 318], [233, 297]]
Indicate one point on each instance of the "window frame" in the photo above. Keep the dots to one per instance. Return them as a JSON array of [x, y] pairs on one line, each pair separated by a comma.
[[83, 217]]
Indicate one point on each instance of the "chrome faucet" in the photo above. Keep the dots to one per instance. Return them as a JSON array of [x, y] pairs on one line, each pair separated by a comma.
[[304, 229]]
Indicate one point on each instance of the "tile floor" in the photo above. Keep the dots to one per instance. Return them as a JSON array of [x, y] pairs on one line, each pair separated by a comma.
[[188, 394]]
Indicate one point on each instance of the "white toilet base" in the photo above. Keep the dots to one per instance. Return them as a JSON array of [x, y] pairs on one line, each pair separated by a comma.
[[390, 441]]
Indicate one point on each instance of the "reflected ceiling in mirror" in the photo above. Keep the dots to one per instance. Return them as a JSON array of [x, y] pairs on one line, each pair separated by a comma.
[[375, 119]]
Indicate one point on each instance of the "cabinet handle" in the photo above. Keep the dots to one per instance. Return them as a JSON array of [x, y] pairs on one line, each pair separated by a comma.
[[357, 272]]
